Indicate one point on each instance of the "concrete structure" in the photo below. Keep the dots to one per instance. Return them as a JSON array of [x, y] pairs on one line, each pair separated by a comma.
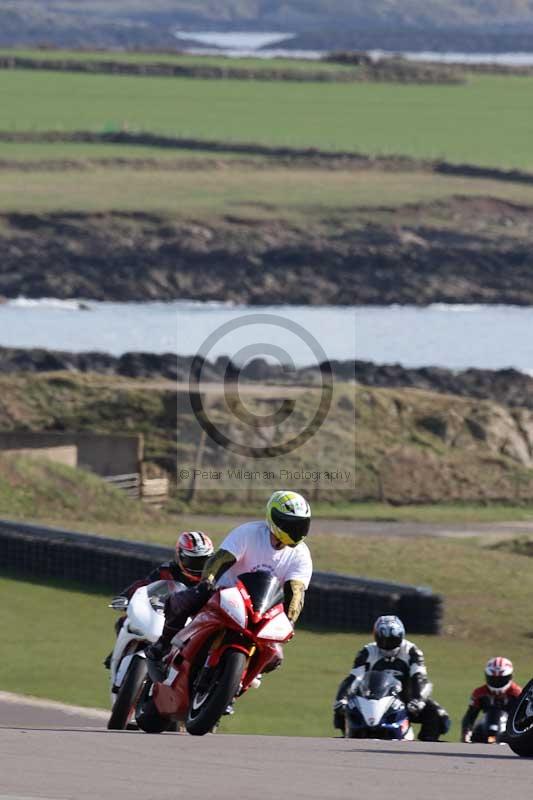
[[105, 454], [62, 454]]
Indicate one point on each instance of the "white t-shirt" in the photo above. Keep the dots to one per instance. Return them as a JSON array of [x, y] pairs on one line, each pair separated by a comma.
[[250, 544]]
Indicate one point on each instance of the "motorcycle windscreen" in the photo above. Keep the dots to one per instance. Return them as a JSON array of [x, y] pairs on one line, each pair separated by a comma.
[[159, 591], [377, 684], [264, 589]]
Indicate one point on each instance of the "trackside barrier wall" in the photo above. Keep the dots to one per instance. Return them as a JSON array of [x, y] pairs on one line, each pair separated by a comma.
[[339, 602]]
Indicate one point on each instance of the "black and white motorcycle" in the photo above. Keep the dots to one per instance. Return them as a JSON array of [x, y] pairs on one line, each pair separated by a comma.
[[142, 626], [374, 708]]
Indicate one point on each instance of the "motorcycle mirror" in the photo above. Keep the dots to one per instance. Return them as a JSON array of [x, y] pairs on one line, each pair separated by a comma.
[[119, 603]]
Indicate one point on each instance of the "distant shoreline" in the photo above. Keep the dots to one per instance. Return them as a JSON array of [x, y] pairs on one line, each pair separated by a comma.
[[507, 386]]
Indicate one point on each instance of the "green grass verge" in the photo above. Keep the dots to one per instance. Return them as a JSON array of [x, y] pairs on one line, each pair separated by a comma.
[[31, 486], [459, 123], [263, 193], [60, 657]]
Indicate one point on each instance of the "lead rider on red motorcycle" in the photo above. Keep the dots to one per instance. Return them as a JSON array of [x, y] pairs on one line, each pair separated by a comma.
[[275, 544]]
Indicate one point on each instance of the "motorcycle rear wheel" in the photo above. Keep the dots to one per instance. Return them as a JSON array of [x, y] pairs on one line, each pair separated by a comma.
[[519, 733], [128, 695], [207, 707]]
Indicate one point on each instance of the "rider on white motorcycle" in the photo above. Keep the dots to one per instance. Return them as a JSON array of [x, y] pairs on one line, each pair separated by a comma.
[[192, 550], [275, 544], [391, 651]]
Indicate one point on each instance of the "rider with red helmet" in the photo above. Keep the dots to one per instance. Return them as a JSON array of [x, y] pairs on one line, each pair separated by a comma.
[[498, 690], [192, 550]]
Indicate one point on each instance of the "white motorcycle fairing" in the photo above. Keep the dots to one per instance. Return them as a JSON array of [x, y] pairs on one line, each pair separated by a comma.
[[373, 711], [143, 624], [124, 666]]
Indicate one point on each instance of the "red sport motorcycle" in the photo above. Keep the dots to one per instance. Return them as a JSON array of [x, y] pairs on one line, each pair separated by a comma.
[[217, 655]]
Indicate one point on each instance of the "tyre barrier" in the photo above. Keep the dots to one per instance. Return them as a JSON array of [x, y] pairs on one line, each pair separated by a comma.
[[339, 602]]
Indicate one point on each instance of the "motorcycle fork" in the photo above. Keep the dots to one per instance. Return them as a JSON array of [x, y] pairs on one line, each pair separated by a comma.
[[248, 661], [202, 681]]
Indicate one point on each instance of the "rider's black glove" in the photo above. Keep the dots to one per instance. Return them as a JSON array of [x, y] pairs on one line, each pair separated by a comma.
[[205, 589]]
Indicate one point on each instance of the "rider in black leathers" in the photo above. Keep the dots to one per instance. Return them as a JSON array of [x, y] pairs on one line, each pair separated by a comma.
[[391, 651]]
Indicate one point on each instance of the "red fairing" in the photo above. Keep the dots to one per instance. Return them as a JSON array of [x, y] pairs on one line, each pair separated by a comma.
[[228, 612], [172, 696]]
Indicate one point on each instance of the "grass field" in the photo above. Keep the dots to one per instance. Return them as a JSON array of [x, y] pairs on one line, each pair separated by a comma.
[[258, 193], [487, 121], [487, 613]]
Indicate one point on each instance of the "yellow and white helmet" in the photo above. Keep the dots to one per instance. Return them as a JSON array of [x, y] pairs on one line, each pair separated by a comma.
[[288, 516]]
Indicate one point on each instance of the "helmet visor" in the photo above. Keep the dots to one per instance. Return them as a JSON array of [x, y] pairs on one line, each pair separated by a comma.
[[192, 565], [498, 681], [296, 528], [389, 642]]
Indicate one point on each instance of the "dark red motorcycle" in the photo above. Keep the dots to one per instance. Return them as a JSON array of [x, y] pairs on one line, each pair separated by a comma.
[[215, 658]]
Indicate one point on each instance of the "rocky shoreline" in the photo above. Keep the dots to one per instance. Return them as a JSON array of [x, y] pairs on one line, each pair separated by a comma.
[[160, 365], [474, 250], [508, 387]]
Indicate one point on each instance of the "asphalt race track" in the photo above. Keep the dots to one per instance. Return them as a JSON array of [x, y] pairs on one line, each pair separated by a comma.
[[49, 752]]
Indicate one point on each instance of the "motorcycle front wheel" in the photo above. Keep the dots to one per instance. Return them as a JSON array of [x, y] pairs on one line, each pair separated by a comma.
[[519, 733], [128, 695], [207, 705]]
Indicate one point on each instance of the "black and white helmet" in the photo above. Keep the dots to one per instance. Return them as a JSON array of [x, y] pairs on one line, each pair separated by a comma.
[[389, 634]]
